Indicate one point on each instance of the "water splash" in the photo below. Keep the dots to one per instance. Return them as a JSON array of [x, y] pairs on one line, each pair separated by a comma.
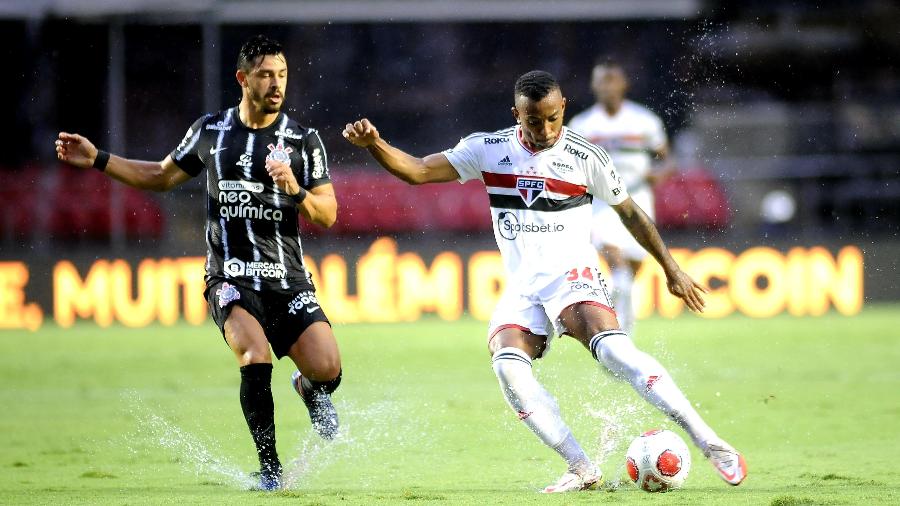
[[191, 449], [619, 424], [365, 430]]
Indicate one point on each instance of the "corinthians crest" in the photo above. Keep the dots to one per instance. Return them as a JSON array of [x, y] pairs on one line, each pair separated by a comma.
[[227, 293], [280, 153]]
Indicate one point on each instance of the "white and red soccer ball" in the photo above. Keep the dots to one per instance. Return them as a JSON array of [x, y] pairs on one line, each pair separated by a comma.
[[658, 461]]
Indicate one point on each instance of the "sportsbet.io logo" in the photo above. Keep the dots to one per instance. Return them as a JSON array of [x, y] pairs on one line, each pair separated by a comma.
[[318, 164], [509, 227], [185, 140], [289, 133], [220, 126]]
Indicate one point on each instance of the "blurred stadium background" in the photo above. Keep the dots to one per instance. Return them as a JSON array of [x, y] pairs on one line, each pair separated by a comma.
[[784, 118]]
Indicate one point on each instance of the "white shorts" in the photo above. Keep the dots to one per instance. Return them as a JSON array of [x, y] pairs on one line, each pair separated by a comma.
[[607, 228], [539, 312]]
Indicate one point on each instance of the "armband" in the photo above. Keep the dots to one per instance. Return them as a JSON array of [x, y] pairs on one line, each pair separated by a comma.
[[101, 160], [299, 196]]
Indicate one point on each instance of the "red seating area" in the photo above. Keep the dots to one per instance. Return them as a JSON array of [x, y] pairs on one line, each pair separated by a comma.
[[70, 204], [371, 202], [690, 199]]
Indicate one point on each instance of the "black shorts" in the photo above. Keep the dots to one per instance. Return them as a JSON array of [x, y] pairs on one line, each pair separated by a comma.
[[282, 315]]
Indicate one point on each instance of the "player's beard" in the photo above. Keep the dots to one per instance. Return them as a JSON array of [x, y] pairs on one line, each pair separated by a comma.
[[546, 144], [262, 102]]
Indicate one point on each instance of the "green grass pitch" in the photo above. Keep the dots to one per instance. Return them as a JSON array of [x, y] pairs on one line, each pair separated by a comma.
[[151, 416]]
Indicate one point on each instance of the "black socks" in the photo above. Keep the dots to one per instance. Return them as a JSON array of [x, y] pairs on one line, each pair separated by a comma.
[[327, 387], [259, 411]]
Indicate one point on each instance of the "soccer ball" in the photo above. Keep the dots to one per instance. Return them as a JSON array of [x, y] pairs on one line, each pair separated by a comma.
[[658, 461]]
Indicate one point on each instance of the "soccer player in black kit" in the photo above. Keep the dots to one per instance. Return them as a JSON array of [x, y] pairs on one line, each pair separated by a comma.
[[263, 170]]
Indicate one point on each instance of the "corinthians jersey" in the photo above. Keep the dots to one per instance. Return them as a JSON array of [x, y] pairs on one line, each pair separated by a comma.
[[540, 201], [252, 232]]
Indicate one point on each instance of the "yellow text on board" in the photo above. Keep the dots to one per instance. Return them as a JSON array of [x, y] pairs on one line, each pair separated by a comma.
[[388, 285]]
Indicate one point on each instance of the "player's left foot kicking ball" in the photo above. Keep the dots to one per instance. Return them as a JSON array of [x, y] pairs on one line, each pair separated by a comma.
[[573, 482], [730, 464], [322, 414]]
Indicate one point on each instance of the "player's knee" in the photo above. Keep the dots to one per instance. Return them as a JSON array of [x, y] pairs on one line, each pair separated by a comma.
[[331, 370], [256, 355], [323, 368], [532, 345]]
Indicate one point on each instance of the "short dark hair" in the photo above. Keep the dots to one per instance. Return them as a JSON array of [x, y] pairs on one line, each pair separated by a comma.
[[609, 62], [256, 46], [535, 85]]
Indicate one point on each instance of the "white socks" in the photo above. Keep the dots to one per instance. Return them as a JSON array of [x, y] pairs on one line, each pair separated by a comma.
[[614, 349], [535, 406], [622, 281]]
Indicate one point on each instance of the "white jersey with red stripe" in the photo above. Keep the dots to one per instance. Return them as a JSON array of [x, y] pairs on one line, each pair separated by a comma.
[[540, 201], [630, 136]]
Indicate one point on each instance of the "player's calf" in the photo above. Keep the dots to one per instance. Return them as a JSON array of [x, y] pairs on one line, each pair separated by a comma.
[[259, 412], [535, 407], [615, 351]]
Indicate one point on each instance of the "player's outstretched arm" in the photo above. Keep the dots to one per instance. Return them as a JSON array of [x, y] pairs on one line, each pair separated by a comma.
[[157, 176], [431, 169], [642, 228]]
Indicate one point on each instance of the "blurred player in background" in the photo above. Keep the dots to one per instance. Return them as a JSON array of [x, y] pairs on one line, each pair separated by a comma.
[[636, 141], [540, 178], [263, 171]]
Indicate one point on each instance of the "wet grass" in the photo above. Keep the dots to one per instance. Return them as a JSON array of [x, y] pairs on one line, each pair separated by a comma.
[[150, 416]]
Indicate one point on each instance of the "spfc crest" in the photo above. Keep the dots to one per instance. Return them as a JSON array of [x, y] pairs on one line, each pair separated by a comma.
[[280, 153], [530, 188]]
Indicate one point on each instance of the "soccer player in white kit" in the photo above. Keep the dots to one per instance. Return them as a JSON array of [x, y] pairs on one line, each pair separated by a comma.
[[634, 137], [541, 178]]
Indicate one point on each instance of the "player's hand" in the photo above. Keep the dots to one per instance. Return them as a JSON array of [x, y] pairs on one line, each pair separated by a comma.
[[283, 176], [76, 150], [685, 288], [361, 133]]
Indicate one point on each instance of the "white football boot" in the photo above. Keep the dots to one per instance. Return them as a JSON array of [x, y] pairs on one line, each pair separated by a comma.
[[730, 464], [574, 482]]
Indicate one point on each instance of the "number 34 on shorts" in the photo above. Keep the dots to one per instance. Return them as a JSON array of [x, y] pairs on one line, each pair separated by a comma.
[[587, 279]]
